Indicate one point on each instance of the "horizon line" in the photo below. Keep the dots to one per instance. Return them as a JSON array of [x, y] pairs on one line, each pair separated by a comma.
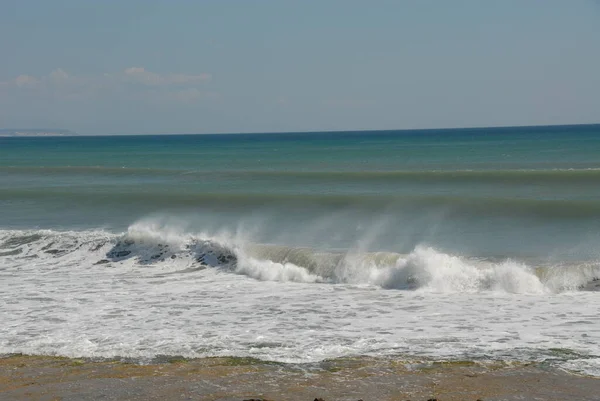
[[333, 131]]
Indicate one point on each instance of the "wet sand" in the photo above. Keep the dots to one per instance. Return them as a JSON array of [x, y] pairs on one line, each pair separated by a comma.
[[237, 379]]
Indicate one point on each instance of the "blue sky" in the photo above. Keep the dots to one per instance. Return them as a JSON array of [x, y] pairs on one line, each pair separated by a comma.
[[212, 66]]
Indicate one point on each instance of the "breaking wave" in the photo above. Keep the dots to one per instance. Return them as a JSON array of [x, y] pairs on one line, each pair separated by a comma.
[[423, 269]]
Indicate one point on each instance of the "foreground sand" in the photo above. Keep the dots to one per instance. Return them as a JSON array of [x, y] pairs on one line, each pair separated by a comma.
[[50, 378]]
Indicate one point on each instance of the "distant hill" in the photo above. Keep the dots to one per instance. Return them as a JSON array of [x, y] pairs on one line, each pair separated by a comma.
[[35, 132]]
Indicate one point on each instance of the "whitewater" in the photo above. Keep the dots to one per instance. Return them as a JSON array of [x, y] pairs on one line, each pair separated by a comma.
[[158, 290]]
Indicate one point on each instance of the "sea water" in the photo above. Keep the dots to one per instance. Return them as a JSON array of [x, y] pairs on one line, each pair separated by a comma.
[[478, 244]]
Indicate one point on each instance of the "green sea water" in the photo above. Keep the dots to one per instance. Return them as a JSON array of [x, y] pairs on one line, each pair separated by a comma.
[[528, 192]]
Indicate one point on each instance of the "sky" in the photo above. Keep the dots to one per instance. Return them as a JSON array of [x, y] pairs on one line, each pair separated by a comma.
[[224, 66]]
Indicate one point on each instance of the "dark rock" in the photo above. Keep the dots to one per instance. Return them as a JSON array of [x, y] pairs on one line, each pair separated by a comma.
[[173, 256], [319, 399], [432, 399], [53, 251], [102, 261]]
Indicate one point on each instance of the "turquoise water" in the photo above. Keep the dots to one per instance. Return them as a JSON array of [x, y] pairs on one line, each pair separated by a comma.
[[523, 192], [477, 244]]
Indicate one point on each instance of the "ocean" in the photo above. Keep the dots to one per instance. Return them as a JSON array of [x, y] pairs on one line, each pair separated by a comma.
[[465, 244]]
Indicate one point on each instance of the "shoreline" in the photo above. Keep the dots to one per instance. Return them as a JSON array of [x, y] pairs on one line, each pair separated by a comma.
[[24, 377]]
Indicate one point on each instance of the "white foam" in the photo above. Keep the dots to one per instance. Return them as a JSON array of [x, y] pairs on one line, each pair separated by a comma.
[[63, 303], [424, 268], [267, 270]]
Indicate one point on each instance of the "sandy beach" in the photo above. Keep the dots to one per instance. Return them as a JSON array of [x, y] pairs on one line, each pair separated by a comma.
[[236, 379]]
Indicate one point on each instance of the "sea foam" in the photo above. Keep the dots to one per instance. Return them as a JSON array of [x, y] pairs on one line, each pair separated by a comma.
[[163, 290]]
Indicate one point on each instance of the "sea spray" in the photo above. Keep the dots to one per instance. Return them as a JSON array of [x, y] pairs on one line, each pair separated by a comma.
[[425, 268]]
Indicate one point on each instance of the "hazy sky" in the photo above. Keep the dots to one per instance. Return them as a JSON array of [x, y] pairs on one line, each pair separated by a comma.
[[141, 66]]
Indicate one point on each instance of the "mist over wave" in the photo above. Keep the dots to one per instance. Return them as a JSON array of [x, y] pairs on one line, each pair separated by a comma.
[[156, 243]]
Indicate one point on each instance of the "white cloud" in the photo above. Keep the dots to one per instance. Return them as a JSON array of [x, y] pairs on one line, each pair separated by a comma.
[[25, 80], [139, 74], [135, 70], [133, 74], [60, 85], [59, 75], [142, 76]]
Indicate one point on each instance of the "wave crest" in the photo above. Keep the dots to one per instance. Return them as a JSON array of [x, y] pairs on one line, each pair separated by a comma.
[[423, 269]]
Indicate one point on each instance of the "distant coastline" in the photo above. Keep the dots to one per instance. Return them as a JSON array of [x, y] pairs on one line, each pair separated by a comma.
[[36, 132]]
